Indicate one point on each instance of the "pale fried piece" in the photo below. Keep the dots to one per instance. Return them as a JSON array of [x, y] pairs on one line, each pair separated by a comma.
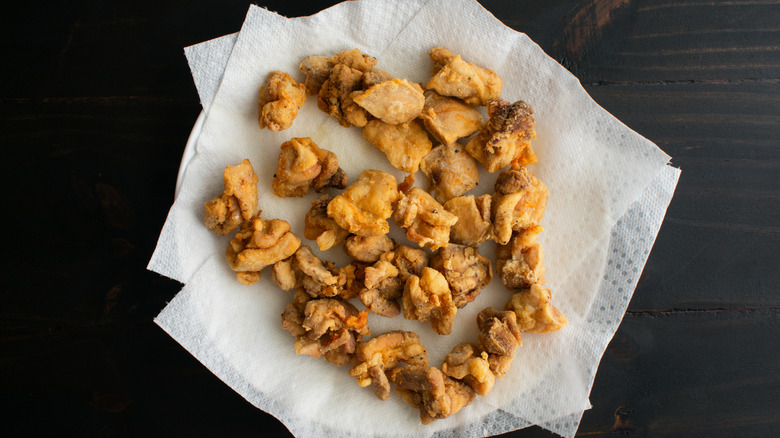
[[376, 357], [506, 138], [384, 281], [352, 112], [465, 362], [429, 390], [354, 58], [519, 263], [465, 269], [302, 164], [448, 118], [464, 80], [451, 171], [499, 337], [404, 144], [368, 248], [535, 313], [365, 205], [428, 298], [425, 220], [318, 278], [317, 69], [518, 203], [260, 243], [474, 225], [393, 102], [280, 98], [237, 203], [319, 227], [335, 92], [375, 76], [355, 274]]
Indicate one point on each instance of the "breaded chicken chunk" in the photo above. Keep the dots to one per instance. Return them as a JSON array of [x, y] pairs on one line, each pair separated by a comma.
[[457, 78], [302, 164], [319, 227], [376, 357], [384, 281], [393, 102], [451, 171], [238, 201], [368, 248], [474, 224], [519, 262], [425, 220], [535, 313], [470, 365], [428, 298], [404, 144], [518, 203], [466, 271], [280, 98], [448, 118], [436, 395], [506, 138], [258, 244], [364, 206], [499, 337]]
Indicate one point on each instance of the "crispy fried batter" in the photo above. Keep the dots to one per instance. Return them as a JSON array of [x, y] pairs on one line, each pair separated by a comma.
[[318, 278], [354, 58], [404, 144], [466, 271], [237, 203], [429, 390], [425, 220], [335, 92], [470, 365], [280, 98], [451, 172], [384, 281], [499, 337], [518, 203], [448, 118], [428, 297], [393, 102], [368, 248], [317, 69], [302, 164], [457, 78], [506, 138], [474, 225], [319, 227], [365, 205], [258, 244], [376, 357], [519, 262], [535, 313]]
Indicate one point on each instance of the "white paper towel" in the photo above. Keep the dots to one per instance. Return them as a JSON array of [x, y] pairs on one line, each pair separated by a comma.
[[594, 166]]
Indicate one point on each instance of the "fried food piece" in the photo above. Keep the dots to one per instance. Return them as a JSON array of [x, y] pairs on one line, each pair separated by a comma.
[[302, 164], [429, 390], [238, 201], [327, 327], [368, 248], [382, 354], [375, 76], [518, 202], [280, 98], [535, 313], [451, 172], [384, 281], [499, 337], [519, 262], [448, 118], [393, 102], [457, 78], [470, 365], [474, 225], [334, 95], [355, 273], [258, 244], [319, 227], [428, 298], [404, 144], [354, 58], [317, 69], [425, 220], [506, 138], [465, 270], [365, 205], [318, 278]]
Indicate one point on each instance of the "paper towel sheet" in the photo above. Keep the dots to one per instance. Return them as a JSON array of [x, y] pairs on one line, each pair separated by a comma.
[[547, 385]]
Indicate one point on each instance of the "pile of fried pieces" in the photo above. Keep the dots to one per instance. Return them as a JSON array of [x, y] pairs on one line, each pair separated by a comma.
[[402, 120]]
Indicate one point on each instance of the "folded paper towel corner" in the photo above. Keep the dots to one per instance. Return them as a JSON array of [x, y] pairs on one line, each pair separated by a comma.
[[609, 190]]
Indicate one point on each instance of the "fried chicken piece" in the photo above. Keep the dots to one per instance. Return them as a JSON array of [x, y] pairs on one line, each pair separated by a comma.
[[465, 270], [375, 76], [518, 202], [425, 220], [499, 337], [470, 365], [393, 102], [258, 244], [404, 144], [355, 274], [365, 205], [429, 390], [327, 327], [474, 225], [376, 357], [238, 201], [384, 281], [280, 98], [334, 95], [535, 313], [428, 298], [451, 172], [317, 69], [506, 138], [448, 118], [368, 248], [519, 262], [318, 278], [319, 227], [302, 164], [457, 78], [354, 58]]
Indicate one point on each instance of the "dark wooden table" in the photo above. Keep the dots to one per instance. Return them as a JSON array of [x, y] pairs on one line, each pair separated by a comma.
[[97, 103]]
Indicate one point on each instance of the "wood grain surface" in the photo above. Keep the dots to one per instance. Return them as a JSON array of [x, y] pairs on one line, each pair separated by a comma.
[[96, 103]]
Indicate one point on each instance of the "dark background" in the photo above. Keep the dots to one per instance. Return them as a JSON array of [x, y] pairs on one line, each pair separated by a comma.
[[96, 103]]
